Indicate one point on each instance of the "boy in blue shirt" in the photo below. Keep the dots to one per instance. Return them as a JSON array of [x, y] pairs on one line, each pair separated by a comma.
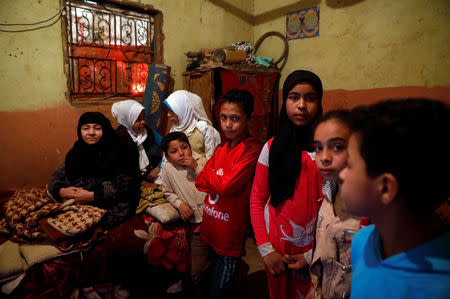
[[396, 176]]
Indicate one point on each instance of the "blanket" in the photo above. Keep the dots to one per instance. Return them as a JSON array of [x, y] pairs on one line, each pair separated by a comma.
[[31, 214], [151, 195], [125, 255], [154, 203]]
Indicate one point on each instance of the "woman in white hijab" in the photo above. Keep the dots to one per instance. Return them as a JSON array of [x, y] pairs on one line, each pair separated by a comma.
[[142, 143], [188, 116]]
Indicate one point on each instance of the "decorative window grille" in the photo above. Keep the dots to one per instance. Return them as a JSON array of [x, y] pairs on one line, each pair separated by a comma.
[[109, 48]]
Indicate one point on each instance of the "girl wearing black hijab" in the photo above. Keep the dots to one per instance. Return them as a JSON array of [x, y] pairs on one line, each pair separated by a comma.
[[94, 172], [287, 184]]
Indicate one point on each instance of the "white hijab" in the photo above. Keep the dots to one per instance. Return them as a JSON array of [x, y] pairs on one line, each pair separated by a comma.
[[190, 111], [126, 113]]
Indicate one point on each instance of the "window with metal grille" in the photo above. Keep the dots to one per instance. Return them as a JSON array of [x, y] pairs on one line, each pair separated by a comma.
[[109, 47]]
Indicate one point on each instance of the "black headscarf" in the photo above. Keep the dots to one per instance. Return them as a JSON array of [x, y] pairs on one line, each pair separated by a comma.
[[285, 159], [93, 160]]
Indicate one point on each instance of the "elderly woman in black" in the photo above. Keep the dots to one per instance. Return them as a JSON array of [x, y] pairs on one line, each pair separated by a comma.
[[94, 172]]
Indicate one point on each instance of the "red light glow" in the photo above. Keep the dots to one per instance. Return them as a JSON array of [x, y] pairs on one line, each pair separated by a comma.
[[136, 89]]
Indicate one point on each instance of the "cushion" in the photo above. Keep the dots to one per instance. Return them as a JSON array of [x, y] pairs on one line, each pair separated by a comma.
[[11, 262], [52, 233], [151, 195], [163, 212], [36, 253], [156, 205], [75, 222]]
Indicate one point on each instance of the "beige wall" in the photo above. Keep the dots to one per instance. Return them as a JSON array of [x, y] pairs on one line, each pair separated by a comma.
[[370, 44], [31, 63], [193, 24]]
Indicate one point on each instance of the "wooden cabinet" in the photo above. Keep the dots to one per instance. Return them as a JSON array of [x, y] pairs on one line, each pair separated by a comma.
[[201, 83], [212, 83]]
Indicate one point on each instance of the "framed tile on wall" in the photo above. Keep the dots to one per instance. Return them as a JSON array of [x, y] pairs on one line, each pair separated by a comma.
[[303, 23]]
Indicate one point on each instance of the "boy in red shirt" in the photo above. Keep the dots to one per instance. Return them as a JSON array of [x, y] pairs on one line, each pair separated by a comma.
[[227, 180]]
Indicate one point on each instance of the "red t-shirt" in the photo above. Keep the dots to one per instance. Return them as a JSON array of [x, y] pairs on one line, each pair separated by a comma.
[[227, 178], [288, 228]]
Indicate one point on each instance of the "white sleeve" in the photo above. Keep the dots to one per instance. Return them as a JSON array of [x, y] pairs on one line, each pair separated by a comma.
[[159, 179], [211, 139], [265, 249], [308, 256], [167, 188]]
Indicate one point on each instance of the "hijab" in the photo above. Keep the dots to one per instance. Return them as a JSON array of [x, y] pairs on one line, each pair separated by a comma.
[[190, 111], [92, 160], [285, 156], [126, 113]]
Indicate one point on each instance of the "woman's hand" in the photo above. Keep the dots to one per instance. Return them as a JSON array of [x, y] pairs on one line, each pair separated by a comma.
[[153, 174], [186, 212], [83, 196], [295, 261], [190, 162], [68, 193], [274, 262]]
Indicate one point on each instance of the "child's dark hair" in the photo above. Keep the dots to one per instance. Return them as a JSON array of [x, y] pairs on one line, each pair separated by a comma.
[[180, 136], [345, 117], [241, 97], [407, 138]]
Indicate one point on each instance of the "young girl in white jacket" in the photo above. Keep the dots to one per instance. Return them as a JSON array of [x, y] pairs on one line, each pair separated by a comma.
[[188, 115]]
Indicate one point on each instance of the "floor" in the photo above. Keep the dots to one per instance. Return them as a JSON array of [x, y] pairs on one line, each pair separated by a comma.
[[252, 282], [252, 279]]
